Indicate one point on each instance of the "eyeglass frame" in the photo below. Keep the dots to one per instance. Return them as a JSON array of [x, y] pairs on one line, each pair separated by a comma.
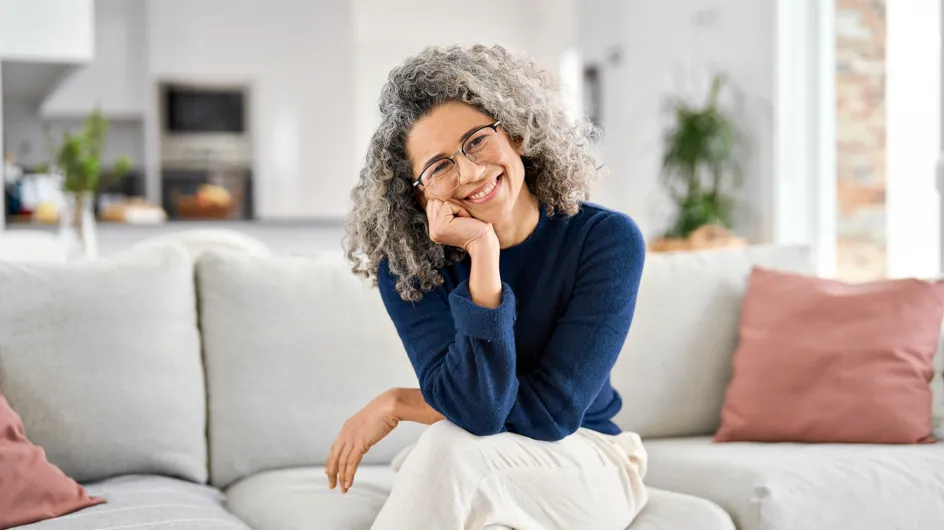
[[493, 126]]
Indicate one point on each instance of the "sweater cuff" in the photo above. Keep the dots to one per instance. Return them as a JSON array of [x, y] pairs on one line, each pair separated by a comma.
[[480, 322]]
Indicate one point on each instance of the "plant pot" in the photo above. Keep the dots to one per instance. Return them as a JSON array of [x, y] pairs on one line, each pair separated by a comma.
[[705, 238], [77, 227]]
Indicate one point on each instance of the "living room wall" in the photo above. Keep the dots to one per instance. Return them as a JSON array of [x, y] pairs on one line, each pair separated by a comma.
[[650, 50]]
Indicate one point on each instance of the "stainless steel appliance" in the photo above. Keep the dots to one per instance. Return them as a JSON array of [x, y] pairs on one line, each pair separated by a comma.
[[205, 142]]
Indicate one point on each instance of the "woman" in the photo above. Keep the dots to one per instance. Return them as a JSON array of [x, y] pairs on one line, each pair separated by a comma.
[[512, 298]]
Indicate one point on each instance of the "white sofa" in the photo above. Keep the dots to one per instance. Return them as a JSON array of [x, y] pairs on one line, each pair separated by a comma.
[[206, 396]]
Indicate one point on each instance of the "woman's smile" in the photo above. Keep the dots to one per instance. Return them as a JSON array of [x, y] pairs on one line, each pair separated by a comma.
[[487, 191]]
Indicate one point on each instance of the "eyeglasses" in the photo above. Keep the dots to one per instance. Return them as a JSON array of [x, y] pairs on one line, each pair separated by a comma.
[[441, 177]]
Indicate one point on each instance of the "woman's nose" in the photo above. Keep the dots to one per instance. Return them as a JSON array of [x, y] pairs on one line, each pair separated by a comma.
[[469, 171]]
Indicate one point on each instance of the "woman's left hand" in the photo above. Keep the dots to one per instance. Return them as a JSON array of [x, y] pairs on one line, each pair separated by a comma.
[[359, 433]]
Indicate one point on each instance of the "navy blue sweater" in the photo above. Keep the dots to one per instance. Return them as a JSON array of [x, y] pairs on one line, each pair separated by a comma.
[[539, 364]]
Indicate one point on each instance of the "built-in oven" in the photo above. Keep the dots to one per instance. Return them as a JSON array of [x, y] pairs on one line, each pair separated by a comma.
[[206, 150]]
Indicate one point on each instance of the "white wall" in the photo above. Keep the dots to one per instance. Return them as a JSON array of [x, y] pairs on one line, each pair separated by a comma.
[[26, 139], [913, 138], [673, 46], [385, 33], [47, 30], [601, 43], [114, 79], [298, 58], [804, 185]]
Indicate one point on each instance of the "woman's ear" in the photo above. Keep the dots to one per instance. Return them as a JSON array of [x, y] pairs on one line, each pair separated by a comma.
[[517, 145]]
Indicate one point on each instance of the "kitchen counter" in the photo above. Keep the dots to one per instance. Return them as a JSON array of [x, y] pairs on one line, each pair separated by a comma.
[[290, 236]]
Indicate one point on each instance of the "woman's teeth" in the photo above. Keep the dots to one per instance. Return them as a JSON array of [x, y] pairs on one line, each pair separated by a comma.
[[486, 191]]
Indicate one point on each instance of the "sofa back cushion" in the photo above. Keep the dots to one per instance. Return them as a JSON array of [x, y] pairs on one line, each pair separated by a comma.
[[33, 489], [101, 360], [294, 346], [676, 362]]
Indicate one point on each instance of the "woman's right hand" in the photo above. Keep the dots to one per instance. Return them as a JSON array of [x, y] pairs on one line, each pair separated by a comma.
[[451, 224], [359, 433]]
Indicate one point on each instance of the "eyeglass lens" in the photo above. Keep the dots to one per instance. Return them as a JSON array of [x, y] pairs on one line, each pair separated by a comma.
[[442, 177]]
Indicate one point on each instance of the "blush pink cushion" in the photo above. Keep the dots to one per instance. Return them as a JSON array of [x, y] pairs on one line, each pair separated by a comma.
[[826, 361], [32, 489]]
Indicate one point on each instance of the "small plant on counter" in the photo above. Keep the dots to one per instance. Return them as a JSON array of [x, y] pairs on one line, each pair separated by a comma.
[[78, 160], [78, 157]]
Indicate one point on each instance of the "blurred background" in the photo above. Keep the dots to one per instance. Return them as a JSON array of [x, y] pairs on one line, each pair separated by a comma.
[[824, 127]]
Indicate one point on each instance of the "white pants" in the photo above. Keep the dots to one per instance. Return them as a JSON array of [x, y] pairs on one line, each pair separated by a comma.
[[454, 480]]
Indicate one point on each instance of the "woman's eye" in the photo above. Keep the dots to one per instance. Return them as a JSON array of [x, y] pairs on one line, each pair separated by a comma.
[[475, 142], [440, 167]]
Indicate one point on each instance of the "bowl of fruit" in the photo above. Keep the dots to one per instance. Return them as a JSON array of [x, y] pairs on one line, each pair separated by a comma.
[[209, 202]]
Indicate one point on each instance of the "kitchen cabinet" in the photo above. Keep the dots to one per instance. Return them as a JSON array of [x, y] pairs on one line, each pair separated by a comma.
[[114, 80], [60, 31]]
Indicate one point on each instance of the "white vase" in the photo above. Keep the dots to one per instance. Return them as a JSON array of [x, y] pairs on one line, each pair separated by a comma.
[[77, 228]]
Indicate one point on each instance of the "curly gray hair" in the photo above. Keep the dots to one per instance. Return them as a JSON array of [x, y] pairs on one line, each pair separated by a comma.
[[387, 221]]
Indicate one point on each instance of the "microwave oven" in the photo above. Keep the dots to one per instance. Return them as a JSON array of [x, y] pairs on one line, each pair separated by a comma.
[[204, 125]]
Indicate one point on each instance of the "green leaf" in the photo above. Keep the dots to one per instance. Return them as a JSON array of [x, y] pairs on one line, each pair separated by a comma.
[[700, 162], [78, 155]]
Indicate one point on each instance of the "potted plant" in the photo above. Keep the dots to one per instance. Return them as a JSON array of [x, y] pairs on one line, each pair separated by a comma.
[[700, 167], [77, 159]]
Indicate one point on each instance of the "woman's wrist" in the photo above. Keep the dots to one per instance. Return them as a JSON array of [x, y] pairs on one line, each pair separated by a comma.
[[485, 245], [407, 404], [485, 277]]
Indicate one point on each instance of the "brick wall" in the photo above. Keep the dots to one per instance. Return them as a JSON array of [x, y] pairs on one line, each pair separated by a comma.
[[860, 138]]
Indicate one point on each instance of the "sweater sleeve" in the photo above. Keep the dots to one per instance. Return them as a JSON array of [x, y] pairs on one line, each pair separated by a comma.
[[553, 397], [463, 354]]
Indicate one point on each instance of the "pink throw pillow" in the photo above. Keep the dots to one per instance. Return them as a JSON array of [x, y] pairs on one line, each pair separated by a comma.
[[32, 488], [826, 361]]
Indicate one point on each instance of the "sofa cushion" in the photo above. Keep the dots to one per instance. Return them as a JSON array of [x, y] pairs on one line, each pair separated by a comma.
[[148, 501], [294, 346], [677, 357], [101, 360], [787, 486], [668, 510], [300, 499], [33, 489]]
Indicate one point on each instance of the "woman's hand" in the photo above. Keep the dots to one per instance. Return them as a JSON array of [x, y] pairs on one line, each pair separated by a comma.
[[359, 433], [451, 224]]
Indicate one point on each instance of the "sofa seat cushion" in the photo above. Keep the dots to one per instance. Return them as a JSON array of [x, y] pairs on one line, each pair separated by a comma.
[[788, 486], [148, 501], [668, 510], [299, 499]]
